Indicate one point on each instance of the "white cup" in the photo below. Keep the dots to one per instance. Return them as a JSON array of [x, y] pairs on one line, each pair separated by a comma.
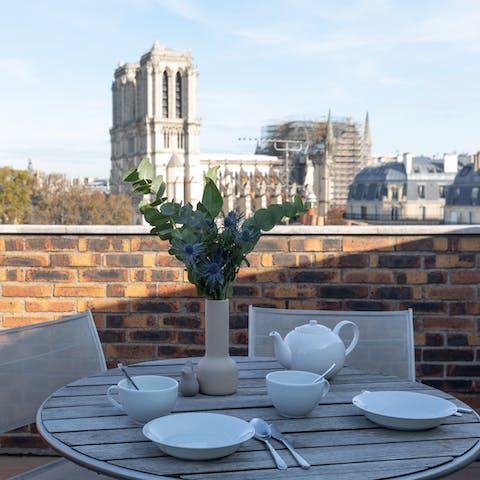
[[156, 397], [293, 392]]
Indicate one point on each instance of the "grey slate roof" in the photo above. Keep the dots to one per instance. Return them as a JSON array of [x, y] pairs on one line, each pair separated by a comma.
[[465, 188]]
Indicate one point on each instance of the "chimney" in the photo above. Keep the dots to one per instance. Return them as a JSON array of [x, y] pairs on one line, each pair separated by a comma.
[[408, 161], [476, 161], [450, 163]]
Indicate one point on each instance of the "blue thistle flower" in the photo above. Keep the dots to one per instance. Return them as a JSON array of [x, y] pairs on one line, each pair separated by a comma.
[[213, 273], [246, 236], [189, 252], [230, 221]]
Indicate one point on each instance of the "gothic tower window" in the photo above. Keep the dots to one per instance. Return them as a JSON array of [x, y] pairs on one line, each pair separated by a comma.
[[165, 95], [178, 95]]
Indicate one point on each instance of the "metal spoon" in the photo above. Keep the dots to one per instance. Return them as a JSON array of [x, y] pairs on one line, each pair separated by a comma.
[[326, 372], [262, 433], [129, 378], [277, 435]]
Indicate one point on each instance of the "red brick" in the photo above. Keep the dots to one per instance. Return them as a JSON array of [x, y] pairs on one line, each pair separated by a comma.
[[157, 275], [149, 244], [49, 275], [306, 245], [79, 290], [367, 276], [104, 275], [119, 260], [368, 244], [141, 290], [10, 305], [26, 290], [166, 260], [107, 245], [290, 291], [102, 305], [449, 293], [25, 260], [14, 244], [272, 244], [126, 351], [50, 306], [11, 321], [465, 277], [449, 323], [76, 260]]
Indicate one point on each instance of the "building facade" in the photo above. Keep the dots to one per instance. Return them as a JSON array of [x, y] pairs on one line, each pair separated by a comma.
[[155, 115], [462, 205], [324, 157], [411, 190]]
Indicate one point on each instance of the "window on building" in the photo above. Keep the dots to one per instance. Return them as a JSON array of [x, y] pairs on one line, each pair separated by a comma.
[[474, 195], [441, 191], [131, 145], [165, 95], [178, 95], [394, 194], [456, 193], [394, 213], [470, 217], [422, 213], [363, 213], [421, 191]]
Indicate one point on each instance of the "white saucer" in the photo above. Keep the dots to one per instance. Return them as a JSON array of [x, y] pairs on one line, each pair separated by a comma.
[[404, 410], [198, 436]]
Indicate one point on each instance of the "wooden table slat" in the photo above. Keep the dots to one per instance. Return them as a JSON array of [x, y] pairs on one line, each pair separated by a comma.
[[337, 439]]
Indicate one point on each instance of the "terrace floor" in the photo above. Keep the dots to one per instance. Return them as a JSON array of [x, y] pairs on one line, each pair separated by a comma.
[[11, 465]]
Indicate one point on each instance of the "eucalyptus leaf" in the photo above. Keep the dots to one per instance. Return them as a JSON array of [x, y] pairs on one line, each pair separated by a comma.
[[212, 247]]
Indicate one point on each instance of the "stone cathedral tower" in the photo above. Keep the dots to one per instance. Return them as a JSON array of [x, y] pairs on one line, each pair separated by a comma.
[[155, 115]]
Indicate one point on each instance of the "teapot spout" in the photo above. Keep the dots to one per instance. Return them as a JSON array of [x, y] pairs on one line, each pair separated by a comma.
[[282, 350]]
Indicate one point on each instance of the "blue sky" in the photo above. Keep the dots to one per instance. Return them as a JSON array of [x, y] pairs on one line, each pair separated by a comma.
[[414, 65]]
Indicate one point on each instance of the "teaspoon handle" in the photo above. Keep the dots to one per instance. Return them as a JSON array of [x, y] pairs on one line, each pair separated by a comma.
[[278, 459], [300, 460]]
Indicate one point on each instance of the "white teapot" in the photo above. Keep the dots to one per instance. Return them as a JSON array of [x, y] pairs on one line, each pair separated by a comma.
[[313, 347]]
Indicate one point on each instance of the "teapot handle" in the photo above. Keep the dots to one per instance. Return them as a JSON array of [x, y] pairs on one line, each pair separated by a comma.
[[356, 333]]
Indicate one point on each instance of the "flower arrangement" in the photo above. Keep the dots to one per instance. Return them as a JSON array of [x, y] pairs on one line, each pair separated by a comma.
[[210, 243]]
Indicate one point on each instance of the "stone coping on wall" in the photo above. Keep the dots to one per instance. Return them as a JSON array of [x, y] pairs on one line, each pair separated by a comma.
[[278, 230]]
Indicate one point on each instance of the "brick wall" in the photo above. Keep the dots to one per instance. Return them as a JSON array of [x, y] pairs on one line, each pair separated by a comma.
[[144, 308]]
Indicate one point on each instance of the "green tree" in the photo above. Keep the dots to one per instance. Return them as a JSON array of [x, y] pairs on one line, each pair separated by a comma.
[[59, 203], [16, 188]]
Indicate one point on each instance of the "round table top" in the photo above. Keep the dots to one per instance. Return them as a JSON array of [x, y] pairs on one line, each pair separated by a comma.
[[336, 438]]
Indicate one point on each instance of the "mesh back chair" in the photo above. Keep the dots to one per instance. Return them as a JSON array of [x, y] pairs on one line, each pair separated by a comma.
[[36, 360], [385, 344]]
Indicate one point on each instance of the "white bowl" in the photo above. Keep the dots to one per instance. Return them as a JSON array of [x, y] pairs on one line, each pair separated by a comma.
[[404, 410], [198, 436], [293, 392]]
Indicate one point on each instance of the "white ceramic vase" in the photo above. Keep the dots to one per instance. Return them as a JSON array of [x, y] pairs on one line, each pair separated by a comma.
[[217, 372]]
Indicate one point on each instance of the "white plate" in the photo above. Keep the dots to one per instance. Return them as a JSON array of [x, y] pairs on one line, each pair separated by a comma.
[[198, 436], [404, 410]]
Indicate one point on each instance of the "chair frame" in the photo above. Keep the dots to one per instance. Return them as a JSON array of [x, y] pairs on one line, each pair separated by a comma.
[[338, 315]]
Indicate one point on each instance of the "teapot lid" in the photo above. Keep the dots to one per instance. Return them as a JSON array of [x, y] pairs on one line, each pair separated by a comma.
[[312, 327]]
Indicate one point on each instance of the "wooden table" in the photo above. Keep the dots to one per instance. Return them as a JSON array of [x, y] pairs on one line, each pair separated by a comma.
[[336, 439]]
